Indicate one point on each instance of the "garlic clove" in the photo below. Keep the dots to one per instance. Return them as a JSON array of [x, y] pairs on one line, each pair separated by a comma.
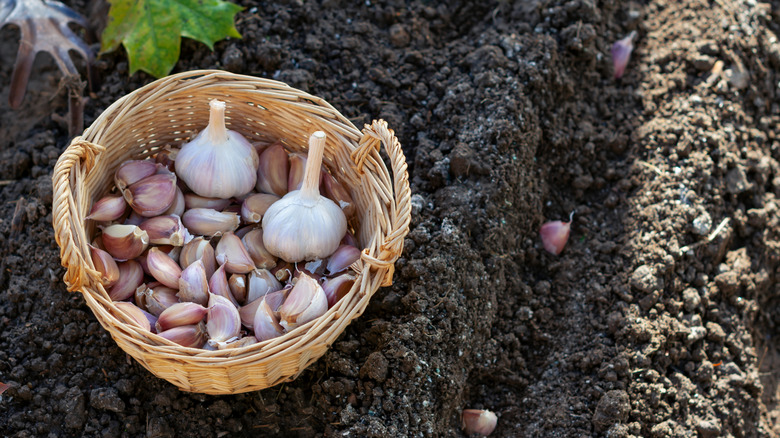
[[209, 222], [153, 195], [106, 265], [108, 208], [223, 321], [336, 288], [304, 225], [163, 268], [218, 163], [247, 312], [137, 315], [349, 239], [261, 282], [193, 200], [344, 256], [297, 166], [193, 284], [125, 242], [132, 171], [131, 275], [254, 207], [337, 193], [253, 242], [274, 300], [193, 336], [159, 298], [478, 421], [178, 206], [166, 230], [199, 249], [171, 251], [237, 284], [179, 314], [231, 253], [621, 54], [218, 285], [306, 302], [273, 170], [265, 325], [555, 234]]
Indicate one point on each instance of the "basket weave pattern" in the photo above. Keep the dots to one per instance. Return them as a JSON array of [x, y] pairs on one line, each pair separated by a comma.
[[171, 111]]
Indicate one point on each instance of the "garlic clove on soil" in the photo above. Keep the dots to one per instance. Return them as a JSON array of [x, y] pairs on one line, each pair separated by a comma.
[[478, 421], [621, 54], [304, 225], [555, 234], [218, 163]]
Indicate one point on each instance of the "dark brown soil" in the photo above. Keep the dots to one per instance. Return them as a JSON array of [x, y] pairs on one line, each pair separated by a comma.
[[660, 319]]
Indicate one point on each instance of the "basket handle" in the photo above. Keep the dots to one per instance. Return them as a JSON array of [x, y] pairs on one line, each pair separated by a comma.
[[68, 175], [400, 208]]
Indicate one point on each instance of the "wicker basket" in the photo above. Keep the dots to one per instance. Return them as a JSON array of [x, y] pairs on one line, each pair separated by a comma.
[[168, 111]]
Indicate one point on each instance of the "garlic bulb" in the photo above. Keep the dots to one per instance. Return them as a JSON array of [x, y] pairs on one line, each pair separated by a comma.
[[304, 225], [218, 163]]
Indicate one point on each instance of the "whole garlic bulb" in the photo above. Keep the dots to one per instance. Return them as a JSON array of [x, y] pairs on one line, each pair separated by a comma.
[[304, 225], [218, 163]]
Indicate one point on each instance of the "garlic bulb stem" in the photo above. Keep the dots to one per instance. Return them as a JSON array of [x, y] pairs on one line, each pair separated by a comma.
[[216, 127], [311, 176]]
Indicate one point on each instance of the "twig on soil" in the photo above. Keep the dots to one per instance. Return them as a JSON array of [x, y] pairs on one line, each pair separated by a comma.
[[5, 182], [709, 239], [651, 167]]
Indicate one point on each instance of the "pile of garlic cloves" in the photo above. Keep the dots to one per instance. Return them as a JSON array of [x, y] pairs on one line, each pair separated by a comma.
[[182, 246]]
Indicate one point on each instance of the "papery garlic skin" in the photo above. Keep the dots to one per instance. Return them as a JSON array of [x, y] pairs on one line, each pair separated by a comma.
[[304, 225], [218, 163]]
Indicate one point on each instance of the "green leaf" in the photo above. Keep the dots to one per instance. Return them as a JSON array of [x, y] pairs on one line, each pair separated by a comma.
[[151, 30]]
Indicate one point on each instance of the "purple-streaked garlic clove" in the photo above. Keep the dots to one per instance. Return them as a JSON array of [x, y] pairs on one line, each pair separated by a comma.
[[106, 265], [261, 282], [108, 208], [230, 252], [555, 234], [478, 421], [132, 171], [621, 54], [223, 322], [193, 285], [218, 285], [253, 207], [193, 336], [193, 200], [273, 170], [295, 176], [177, 207], [125, 242], [136, 314], [131, 275], [179, 314], [171, 251], [247, 312], [238, 289], [337, 287], [163, 268], [199, 249], [253, 242], [340, 260], [336, 192], [265, 324], [274, 300], [306, 302], [159, 298], [166, 230], [209, 222], [153, 195]]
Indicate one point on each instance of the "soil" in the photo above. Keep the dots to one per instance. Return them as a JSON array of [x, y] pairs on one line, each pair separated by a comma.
[[661, 318]]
